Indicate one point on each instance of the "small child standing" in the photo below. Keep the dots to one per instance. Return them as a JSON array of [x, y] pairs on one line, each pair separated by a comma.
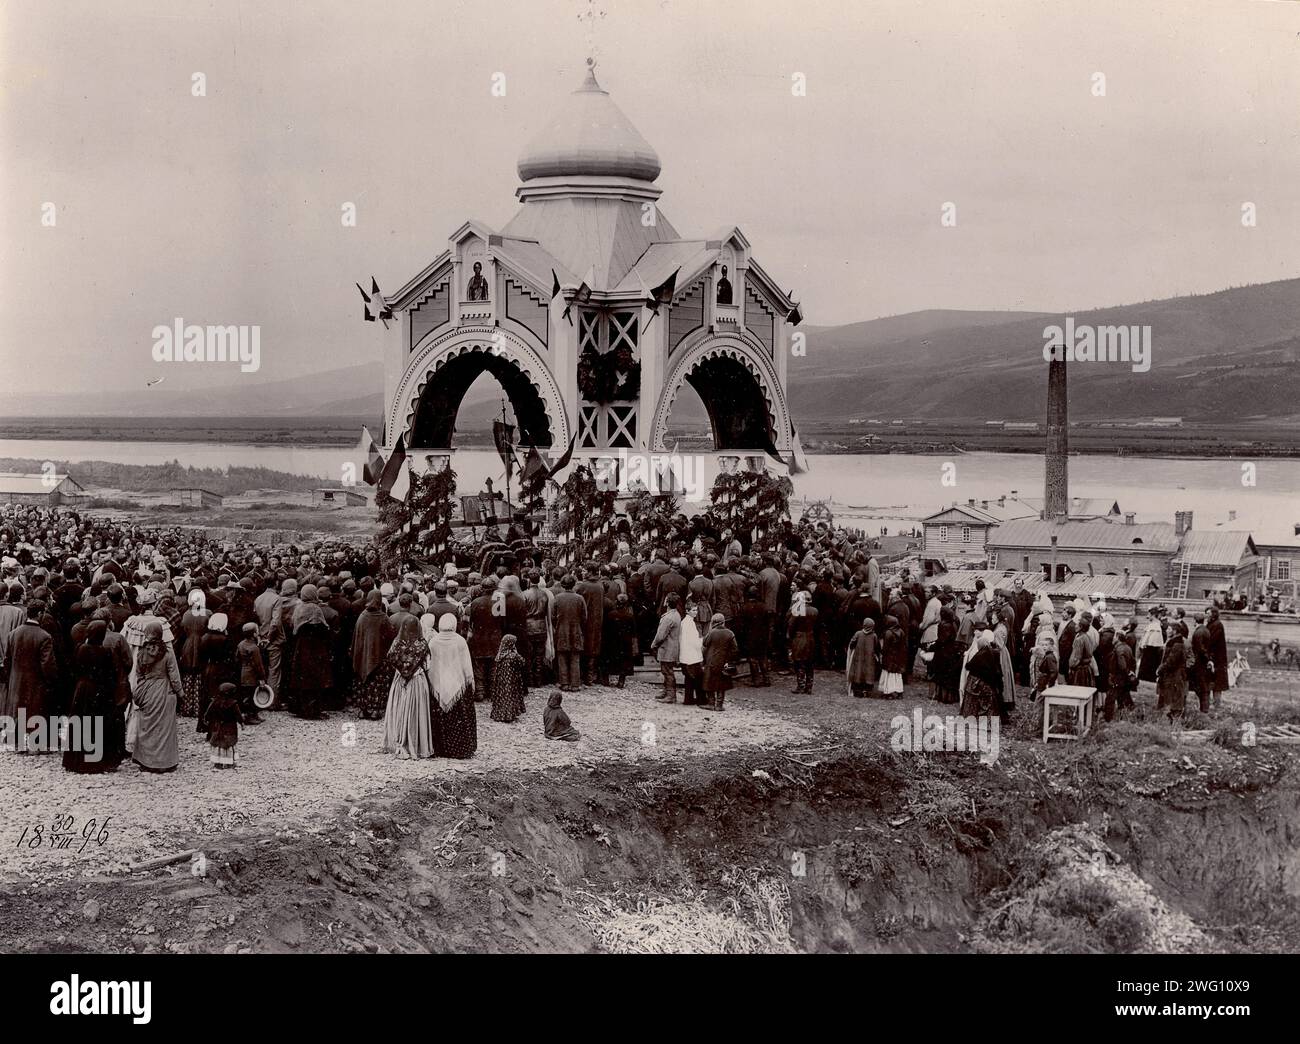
[[223, 719], [252, 671]]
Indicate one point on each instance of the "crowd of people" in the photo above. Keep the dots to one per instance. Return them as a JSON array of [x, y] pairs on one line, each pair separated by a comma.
[[147, 627]]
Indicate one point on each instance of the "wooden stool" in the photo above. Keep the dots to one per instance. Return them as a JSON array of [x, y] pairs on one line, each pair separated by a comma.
[[1080, 698]]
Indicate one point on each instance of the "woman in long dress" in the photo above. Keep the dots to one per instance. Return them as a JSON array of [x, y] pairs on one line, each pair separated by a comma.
[[861, 666], [1171, 677], [509, 683], [946, 665], [408, 722], [555, 722], [1151, 649], [982, 691], [893, 658], [311, 672], [188, 635], [451, 674], [371, 672], [154, 697], [216, 661], [94, 697]]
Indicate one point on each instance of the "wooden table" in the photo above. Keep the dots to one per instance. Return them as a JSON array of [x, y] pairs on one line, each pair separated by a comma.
[[1080, 698]]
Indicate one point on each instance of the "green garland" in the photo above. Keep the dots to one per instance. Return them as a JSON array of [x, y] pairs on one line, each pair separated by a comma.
[[598, 375]]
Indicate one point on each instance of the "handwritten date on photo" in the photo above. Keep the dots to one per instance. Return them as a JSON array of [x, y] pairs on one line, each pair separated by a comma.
[[62, 834]]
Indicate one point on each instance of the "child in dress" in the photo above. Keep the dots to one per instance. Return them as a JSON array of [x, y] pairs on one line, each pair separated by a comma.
[[223, 719]]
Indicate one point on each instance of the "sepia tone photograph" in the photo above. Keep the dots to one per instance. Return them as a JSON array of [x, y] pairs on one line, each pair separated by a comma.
[[648, 477]]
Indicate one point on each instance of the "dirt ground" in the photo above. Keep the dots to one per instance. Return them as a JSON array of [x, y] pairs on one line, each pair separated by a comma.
[[786, 823]]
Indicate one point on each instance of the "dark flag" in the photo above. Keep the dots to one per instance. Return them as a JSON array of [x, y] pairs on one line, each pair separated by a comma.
[[582, 295], [661, 295], [374, 460], [503, 436], [375, 303], [563, 462], [394, 479]]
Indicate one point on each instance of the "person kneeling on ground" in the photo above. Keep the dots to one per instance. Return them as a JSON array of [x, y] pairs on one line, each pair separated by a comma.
[[555, 722]]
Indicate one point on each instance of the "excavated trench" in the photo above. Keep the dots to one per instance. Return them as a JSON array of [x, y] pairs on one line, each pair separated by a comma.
[[865, 850]]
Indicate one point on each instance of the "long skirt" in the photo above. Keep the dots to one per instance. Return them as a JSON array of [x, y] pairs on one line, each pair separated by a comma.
[[191, 694], [1149, 663], [225, 757], [980, 699], [371, 694], [455, 732], [891, 682], [408, 725]]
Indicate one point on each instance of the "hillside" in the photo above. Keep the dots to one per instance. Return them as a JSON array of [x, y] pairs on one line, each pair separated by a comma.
[[1225, 356]]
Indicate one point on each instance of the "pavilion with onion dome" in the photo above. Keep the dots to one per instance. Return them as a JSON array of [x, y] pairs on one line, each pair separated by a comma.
[[592, 311]]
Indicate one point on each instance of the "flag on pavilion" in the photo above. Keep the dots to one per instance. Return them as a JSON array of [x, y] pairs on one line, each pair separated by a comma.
[[368, 451], [583, 294], [503, 437], [798, 462], [394, 479], [376, 307], [562, 463], [661, 295], [534, 465]]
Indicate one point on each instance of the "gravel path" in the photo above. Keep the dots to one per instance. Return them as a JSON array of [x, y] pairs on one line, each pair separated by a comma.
[[294, 774]]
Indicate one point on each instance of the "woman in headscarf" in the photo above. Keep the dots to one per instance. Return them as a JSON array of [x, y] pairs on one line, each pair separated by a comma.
[[93, 696], [801, 631], [371, 672], [1044, 667], [945, 668], [720, 648], [1008, 694], [982, 695], [861, 668], [509, 681], [408, 720], [893, 658], [217, 662], [154, 695], [555, 723], [451, 673], [1171, 677], [311, 671], [188, 636]]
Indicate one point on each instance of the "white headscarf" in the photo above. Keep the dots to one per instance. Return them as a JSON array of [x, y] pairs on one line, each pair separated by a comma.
[[451, 670]]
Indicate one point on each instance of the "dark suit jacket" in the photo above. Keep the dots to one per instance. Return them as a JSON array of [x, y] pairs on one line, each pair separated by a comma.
[[569, 622]]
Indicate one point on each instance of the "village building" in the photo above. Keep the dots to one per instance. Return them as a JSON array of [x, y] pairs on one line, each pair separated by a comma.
[[593, 312], [337, 498], [195, 497], [42, 490]]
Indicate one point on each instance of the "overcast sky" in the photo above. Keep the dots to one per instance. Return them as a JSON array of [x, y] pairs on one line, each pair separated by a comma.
[[226, 208]]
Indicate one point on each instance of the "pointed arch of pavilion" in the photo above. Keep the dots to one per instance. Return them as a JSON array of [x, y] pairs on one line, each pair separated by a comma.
[[740, 389], [442, 368]]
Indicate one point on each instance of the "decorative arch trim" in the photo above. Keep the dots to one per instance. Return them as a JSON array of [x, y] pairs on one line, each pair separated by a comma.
[[435, 351], [744, 351]]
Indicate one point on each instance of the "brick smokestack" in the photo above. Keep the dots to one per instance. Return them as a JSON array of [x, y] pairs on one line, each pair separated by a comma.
[[1056, 478]]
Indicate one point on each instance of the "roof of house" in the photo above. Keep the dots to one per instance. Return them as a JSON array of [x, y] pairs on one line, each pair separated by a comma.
[[1267, 529], [963, 513], [1216, 547], [21, 482], [1086, 536], [1080, 507], [194, 489], [1129, 588]]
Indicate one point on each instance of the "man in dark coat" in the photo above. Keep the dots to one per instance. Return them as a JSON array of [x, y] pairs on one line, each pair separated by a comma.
[[1201, 675], [752, 636], [728, 591], [569, 615], [486, 625], [593, 593], [672, 582], [33, 670], [1218, 654], [720, 649]]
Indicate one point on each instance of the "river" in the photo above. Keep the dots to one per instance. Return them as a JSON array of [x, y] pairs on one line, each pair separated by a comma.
[[884, 487]]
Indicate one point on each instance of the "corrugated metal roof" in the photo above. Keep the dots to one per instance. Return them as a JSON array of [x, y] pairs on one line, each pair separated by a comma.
[[20, 482], [1216, 547], [1079, 506], [1129, 588], [1086, 536], [1266, 529], [974, 514]]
